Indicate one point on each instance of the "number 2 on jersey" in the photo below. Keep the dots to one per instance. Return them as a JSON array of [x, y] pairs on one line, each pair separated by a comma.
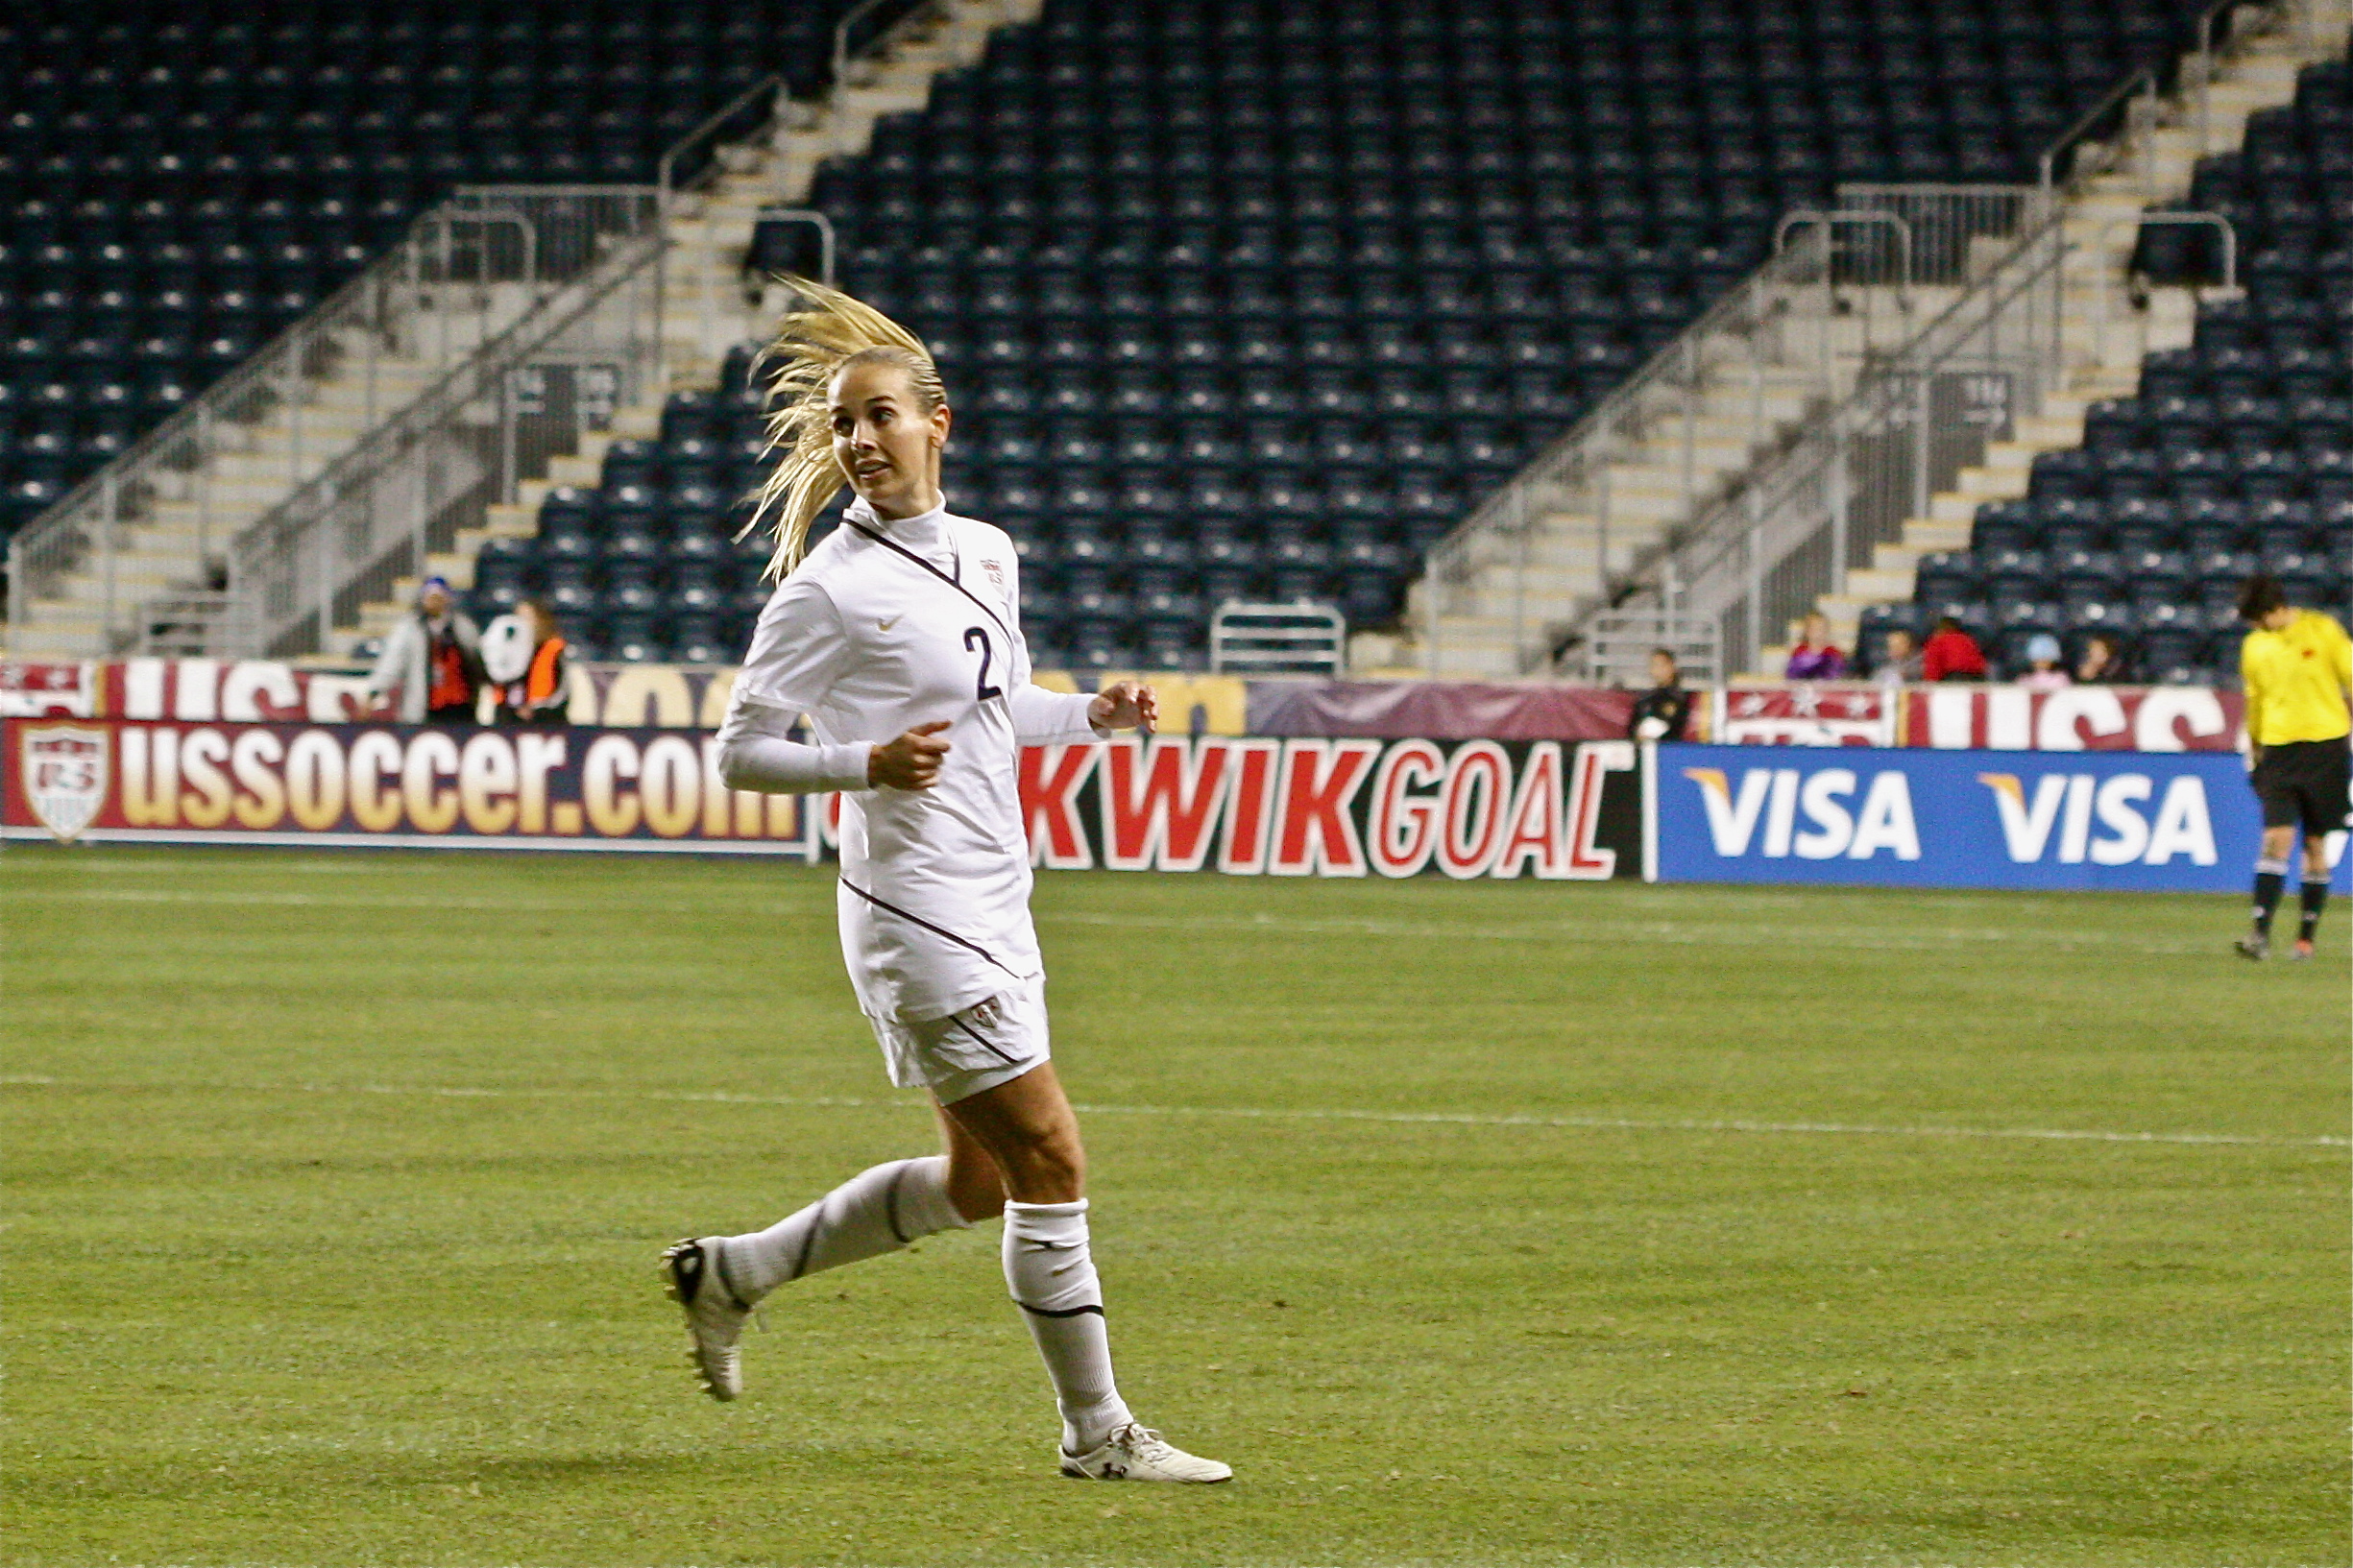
[[975, 638]]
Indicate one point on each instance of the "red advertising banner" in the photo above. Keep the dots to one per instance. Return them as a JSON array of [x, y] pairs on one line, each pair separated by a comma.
[[1244, 806], [1971, 716], [415, 786], [2072, 718]]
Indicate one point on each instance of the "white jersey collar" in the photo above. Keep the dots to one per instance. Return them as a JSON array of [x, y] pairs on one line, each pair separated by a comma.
[[925, 531]]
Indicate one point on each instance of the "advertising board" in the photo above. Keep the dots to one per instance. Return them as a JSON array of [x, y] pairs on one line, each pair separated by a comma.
[[2140, 821], [393, 785], [1244, 806]]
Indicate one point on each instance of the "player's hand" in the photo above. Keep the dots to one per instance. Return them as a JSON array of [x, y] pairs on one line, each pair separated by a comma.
[[1125, 705], [910, 762]]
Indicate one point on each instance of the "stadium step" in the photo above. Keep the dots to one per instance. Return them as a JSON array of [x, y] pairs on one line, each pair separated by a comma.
[[2103, 332], [710, 301]]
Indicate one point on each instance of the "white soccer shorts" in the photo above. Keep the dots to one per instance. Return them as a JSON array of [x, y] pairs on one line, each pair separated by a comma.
[[988, 1044]]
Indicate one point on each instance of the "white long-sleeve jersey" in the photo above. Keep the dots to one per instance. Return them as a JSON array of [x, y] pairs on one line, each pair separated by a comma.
[[886, 625]]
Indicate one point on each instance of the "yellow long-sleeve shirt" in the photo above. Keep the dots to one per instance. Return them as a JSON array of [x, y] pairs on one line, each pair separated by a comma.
[[2296, 681]]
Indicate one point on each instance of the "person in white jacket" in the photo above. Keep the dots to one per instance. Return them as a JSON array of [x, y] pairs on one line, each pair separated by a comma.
[[899, 638], [433, 658]]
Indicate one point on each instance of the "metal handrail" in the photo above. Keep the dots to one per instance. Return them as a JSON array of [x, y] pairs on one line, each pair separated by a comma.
[[1586, 443], [2144, 78], [817, 220], [1832, 217], [665, 170], [1730, 527], [2206, 220], [2216, 10], [841, 39], [383, 445], [107, 486]]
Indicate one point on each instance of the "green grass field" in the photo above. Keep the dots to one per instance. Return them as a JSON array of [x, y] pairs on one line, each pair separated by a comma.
[[1473, 1224]]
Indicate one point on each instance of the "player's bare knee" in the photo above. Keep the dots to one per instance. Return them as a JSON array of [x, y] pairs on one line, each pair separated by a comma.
[[1050, 1170]]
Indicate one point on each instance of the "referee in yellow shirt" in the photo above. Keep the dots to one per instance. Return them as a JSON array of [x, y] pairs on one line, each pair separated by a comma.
[[2296, 666]]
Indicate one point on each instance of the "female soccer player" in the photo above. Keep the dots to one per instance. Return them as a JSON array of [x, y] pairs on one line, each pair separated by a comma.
[[899, 638]]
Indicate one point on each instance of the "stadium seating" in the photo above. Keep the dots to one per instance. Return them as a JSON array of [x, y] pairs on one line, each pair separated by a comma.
[[180, 181], [2236, 453], [1246, 297], [1237, 298]]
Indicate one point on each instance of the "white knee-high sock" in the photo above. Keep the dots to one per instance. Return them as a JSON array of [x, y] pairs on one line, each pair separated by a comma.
[[874, 1211], [1051, 1271]]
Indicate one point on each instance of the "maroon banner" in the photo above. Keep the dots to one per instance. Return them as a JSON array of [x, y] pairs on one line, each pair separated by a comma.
[[2072, 718], [416, 785], [1439, 711]]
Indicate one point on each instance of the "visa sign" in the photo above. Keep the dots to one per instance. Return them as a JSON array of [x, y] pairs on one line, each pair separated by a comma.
[[1908, 817]]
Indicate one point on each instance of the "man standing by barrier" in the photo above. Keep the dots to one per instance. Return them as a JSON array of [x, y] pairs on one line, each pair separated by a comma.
[[434, 657], [2296, 666]]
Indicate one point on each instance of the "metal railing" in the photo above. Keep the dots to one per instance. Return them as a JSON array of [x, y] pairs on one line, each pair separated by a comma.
[[809, 215], [863, 26], [342, 539], [1618, 645], [1277, 639], [466, 270], [1791, 337], [1768, 553]]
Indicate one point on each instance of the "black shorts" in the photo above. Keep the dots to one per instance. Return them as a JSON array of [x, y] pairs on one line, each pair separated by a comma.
[[2304, 783]]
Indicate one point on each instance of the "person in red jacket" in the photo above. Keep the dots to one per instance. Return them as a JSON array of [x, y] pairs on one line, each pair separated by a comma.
[[1952, 654]]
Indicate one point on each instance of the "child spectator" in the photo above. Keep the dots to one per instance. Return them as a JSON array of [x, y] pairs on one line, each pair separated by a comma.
[[2102, 662], [1814, 658], [2044, 671]]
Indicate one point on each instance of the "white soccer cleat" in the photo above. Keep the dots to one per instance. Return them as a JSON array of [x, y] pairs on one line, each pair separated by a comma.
[[1138, 1453], [715, 1315]]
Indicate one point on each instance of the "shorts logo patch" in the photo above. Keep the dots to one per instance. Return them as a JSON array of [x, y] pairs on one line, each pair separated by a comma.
[[985, 1013]]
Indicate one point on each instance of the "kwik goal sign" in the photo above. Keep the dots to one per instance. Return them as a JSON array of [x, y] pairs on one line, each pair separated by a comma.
[[2131, 821], [1242, 806]]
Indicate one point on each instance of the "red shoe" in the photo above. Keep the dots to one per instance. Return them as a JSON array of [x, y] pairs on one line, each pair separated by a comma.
[[2301, 950]]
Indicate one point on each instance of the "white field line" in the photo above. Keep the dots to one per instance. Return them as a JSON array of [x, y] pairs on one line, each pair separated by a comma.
[[1591, 929], [1463, 1119]]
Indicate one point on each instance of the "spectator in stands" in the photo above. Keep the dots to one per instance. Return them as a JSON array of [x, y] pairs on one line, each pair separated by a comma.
[[1664, 710], [1952, 654], [2045, 666], [1899, 659], [433, 658], [542, 695], [1815, 658], [2102, 662]]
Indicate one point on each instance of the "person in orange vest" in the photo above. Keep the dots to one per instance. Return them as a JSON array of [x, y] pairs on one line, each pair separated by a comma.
[[542, 695]]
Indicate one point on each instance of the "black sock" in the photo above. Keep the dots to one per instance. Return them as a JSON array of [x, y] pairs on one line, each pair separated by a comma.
[[2269, 886], [2316, 894]]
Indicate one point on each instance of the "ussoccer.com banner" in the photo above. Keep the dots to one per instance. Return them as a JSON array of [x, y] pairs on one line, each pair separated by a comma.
[[2182, 822], [107, 781], [1244, 806]]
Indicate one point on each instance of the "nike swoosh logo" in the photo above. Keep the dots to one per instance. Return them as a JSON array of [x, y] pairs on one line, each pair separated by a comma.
[[886, 625]]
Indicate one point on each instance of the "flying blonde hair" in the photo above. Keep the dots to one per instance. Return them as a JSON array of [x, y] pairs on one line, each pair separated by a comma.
[[811, 345]]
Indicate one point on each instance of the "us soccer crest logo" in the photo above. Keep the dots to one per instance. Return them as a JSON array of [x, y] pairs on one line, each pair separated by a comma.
[[65, 774]]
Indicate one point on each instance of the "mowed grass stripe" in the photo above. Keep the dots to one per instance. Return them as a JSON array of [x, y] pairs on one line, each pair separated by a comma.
[[1597, 930], [1248, 1113]]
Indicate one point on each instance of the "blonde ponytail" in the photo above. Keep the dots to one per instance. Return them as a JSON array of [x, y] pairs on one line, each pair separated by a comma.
[[811, 345]]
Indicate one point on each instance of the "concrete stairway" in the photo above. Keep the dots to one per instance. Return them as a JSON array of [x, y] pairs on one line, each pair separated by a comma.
[[1756, 389], [2104, 335], [178, 520], [708, 302]]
